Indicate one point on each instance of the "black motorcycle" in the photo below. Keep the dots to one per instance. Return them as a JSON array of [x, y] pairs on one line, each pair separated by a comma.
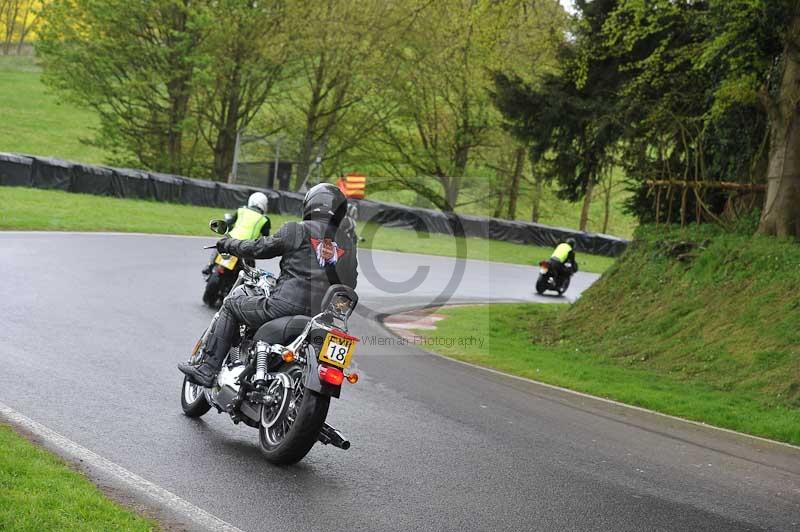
[[280, 378], [551, 279]]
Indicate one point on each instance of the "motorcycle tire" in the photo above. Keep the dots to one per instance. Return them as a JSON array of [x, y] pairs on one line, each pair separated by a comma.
[[563, 287], [211, 293], [193, 400], [302, 434], [541, 285]]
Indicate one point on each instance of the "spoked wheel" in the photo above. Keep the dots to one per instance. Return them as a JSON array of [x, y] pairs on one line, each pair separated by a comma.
[[193, 400], [291, 422]]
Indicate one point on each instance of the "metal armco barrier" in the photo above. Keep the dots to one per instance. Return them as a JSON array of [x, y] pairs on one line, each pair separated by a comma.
[[43, 172]]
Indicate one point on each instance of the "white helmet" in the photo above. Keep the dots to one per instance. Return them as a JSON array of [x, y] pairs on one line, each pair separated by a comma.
[[258, 200]]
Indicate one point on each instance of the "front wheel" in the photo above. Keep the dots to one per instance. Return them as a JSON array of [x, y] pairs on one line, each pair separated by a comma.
[[290, 426], [193, 400]]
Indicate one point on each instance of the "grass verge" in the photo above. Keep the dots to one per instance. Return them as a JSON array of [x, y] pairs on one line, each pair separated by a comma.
[[51, 210], [39, 492], [715, 339]]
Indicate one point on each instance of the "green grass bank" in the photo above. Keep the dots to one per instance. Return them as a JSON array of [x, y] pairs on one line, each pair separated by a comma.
[[39, 492], [695, 323], [52, 210]]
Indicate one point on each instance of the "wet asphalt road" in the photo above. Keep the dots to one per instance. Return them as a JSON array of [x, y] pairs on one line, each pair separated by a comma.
[[93, 326]]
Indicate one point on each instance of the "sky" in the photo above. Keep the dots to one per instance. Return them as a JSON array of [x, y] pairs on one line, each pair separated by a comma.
[[568, 6]]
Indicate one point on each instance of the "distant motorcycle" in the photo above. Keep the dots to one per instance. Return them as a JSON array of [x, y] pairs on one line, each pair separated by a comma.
[[220, 278], [280, 378], [550, 279]]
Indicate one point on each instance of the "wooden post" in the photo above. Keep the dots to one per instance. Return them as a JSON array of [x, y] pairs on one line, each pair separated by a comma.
[[669, 205], [683, 206], [658, 205]]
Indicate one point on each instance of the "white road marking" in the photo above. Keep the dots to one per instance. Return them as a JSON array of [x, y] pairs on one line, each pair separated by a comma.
[[158, 494]]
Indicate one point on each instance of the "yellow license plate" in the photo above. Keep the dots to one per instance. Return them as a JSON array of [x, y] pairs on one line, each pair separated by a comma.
[[229, 263], [337, 349]]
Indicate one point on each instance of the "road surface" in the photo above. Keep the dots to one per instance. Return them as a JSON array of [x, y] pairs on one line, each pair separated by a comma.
[[94, 324]]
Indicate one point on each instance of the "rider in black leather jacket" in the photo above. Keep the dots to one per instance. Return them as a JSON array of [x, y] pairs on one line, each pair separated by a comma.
[[315, 254]]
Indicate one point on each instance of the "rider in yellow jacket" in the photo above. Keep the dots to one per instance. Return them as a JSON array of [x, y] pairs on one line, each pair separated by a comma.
[[563, 258], [248, 223]]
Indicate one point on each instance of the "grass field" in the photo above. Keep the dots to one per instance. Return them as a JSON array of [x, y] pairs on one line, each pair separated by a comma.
[[50, 210], [715, 340], [37, 121], [39, 492]]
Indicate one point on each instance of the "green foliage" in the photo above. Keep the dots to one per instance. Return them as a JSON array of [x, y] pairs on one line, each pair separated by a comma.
[[172, 81], [137, 77], [39, 492], [444, 121]]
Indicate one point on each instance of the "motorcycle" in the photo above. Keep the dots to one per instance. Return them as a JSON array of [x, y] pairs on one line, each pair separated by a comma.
[[280, 378], [220, 278], [549, 278]]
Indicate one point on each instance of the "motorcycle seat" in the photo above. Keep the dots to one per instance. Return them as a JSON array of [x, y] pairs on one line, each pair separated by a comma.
[[282, 330]]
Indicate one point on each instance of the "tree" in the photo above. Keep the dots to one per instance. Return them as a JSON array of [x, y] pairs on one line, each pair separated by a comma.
[[715, 86], [567, 117], [757, 54], [139, 77], [17, 19], [342, 55], [247, 47], [444, 112]]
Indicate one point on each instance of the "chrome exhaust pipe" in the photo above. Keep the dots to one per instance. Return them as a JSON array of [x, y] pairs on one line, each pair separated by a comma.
[[329, 435]]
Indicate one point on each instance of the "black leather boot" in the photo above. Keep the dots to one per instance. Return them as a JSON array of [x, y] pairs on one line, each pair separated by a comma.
[[205, 373]]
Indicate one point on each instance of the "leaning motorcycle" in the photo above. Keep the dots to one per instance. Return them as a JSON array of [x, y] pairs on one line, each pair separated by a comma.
[[549, 279], [280, 378]]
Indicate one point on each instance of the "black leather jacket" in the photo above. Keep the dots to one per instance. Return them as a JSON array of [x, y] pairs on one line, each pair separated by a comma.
[[314, 255]]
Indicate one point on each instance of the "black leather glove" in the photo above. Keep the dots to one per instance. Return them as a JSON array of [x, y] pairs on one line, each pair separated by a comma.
[[222, 245]]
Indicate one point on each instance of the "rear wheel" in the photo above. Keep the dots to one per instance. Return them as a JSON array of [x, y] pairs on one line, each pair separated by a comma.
[[290, 426], [211, 294], [541, 285], [564, 286]]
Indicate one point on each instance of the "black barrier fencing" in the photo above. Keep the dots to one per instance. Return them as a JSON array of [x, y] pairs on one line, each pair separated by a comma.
[[43, 172]]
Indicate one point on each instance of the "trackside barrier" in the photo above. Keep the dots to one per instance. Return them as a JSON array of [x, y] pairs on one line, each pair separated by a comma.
[[48, 173]]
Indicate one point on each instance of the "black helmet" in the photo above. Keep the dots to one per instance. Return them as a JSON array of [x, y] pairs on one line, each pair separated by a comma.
[[324, 202], [571, 242]]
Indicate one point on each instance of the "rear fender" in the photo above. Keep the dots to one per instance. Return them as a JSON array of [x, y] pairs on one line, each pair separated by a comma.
[[312, 380]]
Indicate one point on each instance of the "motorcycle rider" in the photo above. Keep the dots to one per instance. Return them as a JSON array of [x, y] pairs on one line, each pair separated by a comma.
[[315, 254], [248, 222], [350, 219], [563, 259]]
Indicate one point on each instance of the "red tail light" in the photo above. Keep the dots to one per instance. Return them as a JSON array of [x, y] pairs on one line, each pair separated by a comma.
[[544, 264], [331, 375], [220, 270]]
